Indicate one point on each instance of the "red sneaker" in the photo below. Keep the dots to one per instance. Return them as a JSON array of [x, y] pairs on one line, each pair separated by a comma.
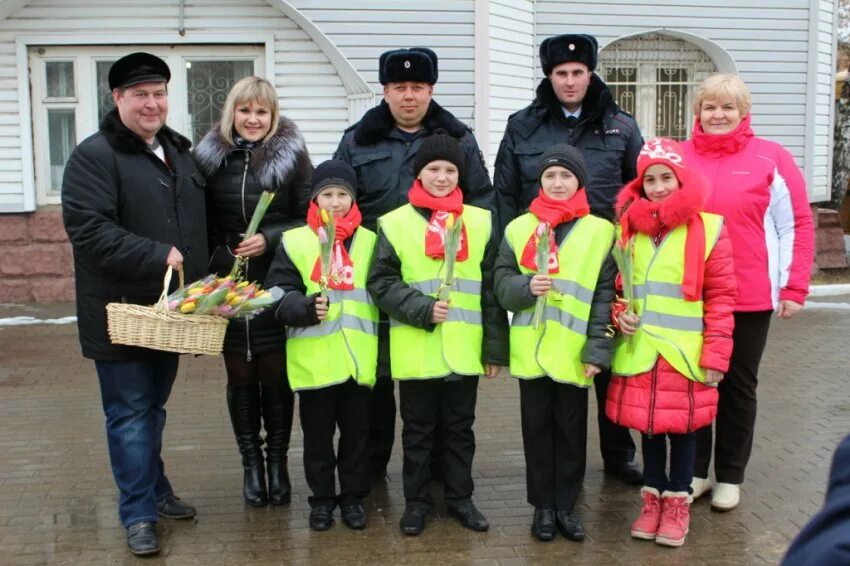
[[675, 518], [646, 524]]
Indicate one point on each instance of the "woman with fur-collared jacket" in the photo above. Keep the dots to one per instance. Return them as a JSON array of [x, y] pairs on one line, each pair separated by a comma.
[[252, 150]]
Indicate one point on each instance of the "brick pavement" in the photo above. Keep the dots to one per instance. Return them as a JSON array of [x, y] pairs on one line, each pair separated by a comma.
[[57, 497]]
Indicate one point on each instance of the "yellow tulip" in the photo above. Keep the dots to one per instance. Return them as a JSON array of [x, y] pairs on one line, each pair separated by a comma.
[[188, 307], [229, 296], [450, 221], [196, 290], [325, 217]]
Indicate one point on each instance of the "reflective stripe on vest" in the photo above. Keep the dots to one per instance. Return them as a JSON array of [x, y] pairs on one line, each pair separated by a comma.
[[669, 325], [453, 346], [554, 349], [345, 344]]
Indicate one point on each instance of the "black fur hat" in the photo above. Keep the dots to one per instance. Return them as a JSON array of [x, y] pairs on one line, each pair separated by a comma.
[[580, 48], [417, 64]]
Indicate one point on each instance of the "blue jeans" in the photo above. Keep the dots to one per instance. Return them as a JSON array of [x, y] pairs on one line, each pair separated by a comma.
[[134, 396], [682, 457]]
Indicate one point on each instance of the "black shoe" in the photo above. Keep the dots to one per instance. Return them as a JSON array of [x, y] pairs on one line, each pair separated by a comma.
[[543, 527], [469, 516], [171, 507], [570, 525], [277, 418], [321, 517], [413, 519], [243, 403], [626, 472], [141, 538], [354, 516]]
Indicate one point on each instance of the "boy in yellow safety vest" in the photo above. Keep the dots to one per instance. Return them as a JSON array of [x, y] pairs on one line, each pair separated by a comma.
[[332, 341], [559, 331], [446, 327]]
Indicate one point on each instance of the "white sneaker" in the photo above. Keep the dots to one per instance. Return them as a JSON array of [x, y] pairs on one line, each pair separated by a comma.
[[700, 486], [726, 496]]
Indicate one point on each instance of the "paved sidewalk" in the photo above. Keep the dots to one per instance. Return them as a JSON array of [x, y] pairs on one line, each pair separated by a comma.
[[57, 496]]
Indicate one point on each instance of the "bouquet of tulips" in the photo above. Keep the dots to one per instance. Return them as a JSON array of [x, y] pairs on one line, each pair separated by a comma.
[[266, 199], [224, 296], [454, 227], [326, 233], [542, 257], [623, 253]]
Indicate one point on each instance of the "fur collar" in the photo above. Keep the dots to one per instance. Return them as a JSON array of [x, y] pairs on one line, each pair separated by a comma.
[[272, 163], [378, 122], [597, 102], [121, 138], [646, 217]]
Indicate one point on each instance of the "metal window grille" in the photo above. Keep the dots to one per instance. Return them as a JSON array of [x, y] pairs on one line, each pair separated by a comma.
[[653, 77]]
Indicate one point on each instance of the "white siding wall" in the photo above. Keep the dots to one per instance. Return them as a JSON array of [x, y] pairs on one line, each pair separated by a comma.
[[363, 29], [768, 41], [823, 52], [512, 64], [310, 91]]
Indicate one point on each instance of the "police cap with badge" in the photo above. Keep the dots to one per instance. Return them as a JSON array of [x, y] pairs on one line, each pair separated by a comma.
[[570, 47], [417, 64], [137, 68]]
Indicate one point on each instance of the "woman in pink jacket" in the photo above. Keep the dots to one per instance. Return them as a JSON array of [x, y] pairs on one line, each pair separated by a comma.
[[757, 187]]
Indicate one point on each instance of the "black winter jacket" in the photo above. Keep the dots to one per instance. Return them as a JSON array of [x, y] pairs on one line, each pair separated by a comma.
[[235, 180], [608, 138], [383, 160], [124, 209], [513, 293], [405, 304]]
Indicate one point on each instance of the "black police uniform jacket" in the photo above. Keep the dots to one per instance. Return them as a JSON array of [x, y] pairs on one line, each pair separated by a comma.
[[609, 140], [383, 160], [235, 180], [124, 209]]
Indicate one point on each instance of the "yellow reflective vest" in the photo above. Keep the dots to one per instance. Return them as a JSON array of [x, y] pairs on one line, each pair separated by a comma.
[[453, 346], [554, 348], [345, 344], [669, 325]]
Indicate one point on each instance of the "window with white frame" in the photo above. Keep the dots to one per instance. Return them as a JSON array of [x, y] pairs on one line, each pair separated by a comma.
[[70, 95], [653, 77]]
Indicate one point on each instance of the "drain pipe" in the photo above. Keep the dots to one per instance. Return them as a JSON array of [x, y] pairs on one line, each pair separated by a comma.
[[181, 27]]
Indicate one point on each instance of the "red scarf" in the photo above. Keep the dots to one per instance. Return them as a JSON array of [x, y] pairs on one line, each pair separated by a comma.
[[342, 268], [552, 212], [721, 144], [435, 234]]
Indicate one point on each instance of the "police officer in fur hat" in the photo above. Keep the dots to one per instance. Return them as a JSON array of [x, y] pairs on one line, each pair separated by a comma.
[[574, 106], [381, 148]]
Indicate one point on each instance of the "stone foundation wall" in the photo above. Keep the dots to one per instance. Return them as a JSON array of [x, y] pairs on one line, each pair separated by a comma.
[[36, 264]]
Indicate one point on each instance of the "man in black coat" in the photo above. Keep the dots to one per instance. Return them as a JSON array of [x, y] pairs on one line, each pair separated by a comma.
[[381, 148], [133, 204], [574, 106]]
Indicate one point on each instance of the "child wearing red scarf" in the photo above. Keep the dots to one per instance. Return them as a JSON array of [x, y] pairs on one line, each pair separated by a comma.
[[332, 341], [558, 347], [446, 328], [676, 336]]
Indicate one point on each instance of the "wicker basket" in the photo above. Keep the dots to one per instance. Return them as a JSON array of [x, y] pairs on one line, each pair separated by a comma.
[[159, 329]]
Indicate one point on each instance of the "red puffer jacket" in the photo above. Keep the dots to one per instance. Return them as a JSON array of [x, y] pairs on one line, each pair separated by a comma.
[[663, 400]]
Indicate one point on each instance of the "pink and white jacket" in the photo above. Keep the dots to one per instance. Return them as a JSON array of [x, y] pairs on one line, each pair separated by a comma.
[[757, 187]]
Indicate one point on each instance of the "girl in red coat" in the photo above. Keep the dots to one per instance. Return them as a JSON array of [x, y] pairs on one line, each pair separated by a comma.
[[675, 350]]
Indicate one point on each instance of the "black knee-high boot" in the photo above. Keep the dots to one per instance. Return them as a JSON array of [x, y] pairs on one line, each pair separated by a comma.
[[243, 401], [277, 418]]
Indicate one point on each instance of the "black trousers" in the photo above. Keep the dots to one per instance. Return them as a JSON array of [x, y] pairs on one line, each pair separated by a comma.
[[615, 441], [346, 406], [554, 437], [382, 408], [429, 405], [736, 407]]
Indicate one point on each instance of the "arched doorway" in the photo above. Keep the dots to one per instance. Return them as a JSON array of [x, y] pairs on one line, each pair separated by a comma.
[[652, 76]]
